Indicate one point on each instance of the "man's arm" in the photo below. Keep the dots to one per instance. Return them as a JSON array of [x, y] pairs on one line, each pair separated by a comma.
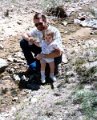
[[26, 36], [29, 38], [54, 54]]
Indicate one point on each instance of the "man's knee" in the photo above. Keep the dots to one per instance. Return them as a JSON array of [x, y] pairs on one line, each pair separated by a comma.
[[58, 60], [23, 43]]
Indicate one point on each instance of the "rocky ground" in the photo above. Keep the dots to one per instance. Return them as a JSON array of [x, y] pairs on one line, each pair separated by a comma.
[[52, 101]]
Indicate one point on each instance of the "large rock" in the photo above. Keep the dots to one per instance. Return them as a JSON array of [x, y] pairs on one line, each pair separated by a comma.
[[3, 64]]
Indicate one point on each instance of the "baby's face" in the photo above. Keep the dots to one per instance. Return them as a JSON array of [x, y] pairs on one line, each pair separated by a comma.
[[48, 38]]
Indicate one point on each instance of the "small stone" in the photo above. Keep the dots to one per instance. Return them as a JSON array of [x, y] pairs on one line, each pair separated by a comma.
[[3, 64], [16, 78], [1, 46], [15, 99], [10, 58], [64, 58]]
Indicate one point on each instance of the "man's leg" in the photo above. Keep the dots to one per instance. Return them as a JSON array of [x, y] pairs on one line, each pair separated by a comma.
[[27, 49], [57, 61]]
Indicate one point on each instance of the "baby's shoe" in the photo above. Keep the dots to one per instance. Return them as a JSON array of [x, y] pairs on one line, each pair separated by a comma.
[[53, 78], [43, 79]]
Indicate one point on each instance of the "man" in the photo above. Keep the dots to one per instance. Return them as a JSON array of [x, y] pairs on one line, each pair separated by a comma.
[[28, 46]]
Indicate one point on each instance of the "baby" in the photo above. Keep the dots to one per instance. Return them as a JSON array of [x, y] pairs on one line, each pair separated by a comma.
[[48, 45]]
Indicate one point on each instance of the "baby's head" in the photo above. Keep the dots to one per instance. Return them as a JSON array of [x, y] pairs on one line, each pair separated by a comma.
[[48, 36]]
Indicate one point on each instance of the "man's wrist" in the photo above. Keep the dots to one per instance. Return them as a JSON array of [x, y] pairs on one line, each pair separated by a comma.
[[44, 55]]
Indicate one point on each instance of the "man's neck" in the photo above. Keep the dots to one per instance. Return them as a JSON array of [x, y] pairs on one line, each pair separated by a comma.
[[46, 26]]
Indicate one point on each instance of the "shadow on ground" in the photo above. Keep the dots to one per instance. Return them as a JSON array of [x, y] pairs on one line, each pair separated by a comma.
[[32, 81]]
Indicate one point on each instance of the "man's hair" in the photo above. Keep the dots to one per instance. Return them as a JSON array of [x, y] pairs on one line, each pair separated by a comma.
[[40, 16]]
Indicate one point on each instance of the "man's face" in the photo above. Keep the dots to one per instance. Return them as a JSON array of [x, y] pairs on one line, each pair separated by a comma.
[[40, 24]]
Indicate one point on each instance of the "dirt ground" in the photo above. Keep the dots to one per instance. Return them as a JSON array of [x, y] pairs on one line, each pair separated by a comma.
[[11, 46]]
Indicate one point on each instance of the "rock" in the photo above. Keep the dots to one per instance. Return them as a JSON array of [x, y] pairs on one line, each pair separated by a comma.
[[16, 78], [3, 64], [70, 73], [64, 58], [88, 22], [77, 21], [1, 46], [15, 99], [19, 22], [6, 13], [57, 11], [33, 100], [10, 58], [94, 11], [64, 23], [90, 65], [19, 55], [95, 84], [88, 87], [10, 70]]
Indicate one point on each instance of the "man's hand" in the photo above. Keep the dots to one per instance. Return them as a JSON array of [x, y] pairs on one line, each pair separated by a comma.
[[54, 54], [28, 38], [31, 39]]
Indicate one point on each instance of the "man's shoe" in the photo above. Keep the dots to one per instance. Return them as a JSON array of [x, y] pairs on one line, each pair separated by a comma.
[[28, 72]]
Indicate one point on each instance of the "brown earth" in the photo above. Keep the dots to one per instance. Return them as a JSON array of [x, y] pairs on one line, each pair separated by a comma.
[[11, 46]]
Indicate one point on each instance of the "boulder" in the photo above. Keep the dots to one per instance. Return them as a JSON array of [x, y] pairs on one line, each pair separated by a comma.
[[3, 64]]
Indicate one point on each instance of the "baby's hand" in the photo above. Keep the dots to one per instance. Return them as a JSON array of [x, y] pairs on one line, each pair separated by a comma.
[[39, 56]]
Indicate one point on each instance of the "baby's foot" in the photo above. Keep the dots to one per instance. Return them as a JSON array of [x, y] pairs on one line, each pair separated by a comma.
[[53, 78], [43, 79]]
